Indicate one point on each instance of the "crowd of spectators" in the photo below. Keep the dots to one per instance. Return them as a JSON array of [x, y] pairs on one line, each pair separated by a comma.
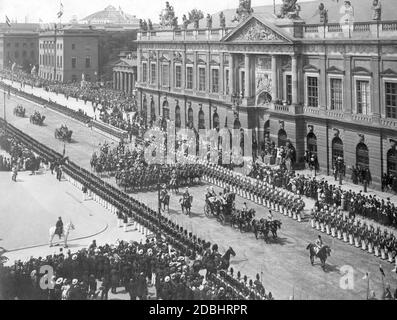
[[91, 273], [20, 157], [389, 182]]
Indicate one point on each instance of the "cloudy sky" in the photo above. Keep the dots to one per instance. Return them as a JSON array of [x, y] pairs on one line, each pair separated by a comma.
[[46, 10]]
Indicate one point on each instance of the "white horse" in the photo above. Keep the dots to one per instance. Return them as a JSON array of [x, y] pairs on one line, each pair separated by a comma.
[[65, 233]]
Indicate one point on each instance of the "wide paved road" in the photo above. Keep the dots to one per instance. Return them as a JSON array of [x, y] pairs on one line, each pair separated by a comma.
[[285, 264]]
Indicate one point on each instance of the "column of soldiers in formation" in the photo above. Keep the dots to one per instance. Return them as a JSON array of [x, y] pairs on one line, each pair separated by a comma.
[[345, 227], [184, 243], [133, 174]]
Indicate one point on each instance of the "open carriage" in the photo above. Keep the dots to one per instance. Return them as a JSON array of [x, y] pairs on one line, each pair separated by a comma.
[[37, 119], [19, 111], [63, 134], [221, 208]]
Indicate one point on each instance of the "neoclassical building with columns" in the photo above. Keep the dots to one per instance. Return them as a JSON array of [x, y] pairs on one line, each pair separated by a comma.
[[124, 73], [328, 88]]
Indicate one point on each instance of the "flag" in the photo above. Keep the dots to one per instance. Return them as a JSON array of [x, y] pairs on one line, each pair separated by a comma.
[[381, 270], [366, 276], [33, 70], [8, 21], [60, 13], [13, 66]]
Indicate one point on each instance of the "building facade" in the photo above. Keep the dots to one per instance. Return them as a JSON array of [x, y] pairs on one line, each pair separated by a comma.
[[124, 72], [68, 54], [327, 88], [21, 48]]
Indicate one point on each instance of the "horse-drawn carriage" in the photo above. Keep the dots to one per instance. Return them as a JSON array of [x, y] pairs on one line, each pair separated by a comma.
[[63, 134], [220, 207], [19, 111], [37, 119]]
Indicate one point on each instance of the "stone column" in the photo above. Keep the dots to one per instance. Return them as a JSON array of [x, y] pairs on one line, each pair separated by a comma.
[[183, 70], [247, 66], [323, 82], [294, 70], [114, 80], [139, 64], [347, 94], [221, 75], [375, 94], [231, 74], [118, 80], [274, 78], [158, 70]]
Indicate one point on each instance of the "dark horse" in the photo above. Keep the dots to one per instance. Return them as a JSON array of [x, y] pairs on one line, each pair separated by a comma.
[[323, 254], [225, 260], [186, 204]]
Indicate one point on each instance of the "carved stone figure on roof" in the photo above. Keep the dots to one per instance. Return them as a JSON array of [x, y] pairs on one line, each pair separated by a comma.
[[243, 11], [149, 24], [195, 16], [222, 20], [209, 21], [175, 23], [377, 10], [185, 22], [289, 9], [167, 16], [143, 25], [323, 13]]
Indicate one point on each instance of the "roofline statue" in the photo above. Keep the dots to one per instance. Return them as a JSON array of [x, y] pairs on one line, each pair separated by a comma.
[[243, 11], [289, 9], [167, 17]]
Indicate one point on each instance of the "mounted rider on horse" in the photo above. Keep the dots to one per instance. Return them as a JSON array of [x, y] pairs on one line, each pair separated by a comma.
[[59, 227]]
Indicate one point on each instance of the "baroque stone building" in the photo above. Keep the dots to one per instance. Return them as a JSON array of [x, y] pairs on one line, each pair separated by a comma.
[[330, 88]]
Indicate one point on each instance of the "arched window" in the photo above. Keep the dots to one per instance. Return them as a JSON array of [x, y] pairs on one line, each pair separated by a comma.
[[282, 138], [312, 143], [237, 124], [166, 110], [201, 120], [362, 155], [266, 129], [190, 116], [215, 121], [337, 149], [152, 111], [392, 161], [177, 117]]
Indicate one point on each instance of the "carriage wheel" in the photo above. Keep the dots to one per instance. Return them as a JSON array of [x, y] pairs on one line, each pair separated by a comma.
[[207, 210]]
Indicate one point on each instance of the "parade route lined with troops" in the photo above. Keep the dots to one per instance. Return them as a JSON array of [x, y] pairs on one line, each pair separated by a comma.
[[283, 264]]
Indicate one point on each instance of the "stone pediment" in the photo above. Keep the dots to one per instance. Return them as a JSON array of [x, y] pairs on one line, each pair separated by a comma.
[[389, 73], [360, 71], [254, 30], [335, 70], [126, 63]]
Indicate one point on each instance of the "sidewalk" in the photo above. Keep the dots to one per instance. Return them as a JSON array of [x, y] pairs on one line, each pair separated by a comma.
[[70, 103]]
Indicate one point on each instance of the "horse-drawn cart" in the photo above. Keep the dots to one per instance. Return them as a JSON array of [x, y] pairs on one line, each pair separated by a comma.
[[63, 134]]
